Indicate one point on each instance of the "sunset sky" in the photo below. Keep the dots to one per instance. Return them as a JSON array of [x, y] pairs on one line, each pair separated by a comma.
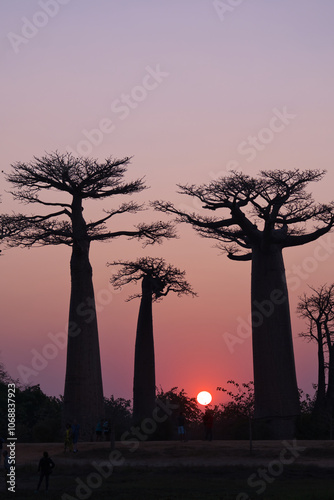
[[190, 89]]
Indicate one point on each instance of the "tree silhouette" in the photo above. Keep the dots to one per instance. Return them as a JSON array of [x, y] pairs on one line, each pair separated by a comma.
[[242, 403], [10, 225], [158, 279], [261, 216], [75, 180], [318, 310]]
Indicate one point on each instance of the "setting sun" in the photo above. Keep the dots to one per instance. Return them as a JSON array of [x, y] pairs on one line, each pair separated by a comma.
[[204, 398]]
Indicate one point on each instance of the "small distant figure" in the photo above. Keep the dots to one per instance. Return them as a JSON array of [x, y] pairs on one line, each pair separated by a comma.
[[98, 431], [45, 467], [208, 424], [106, 430], [68, 444], [181, 423], [75, 435], [6, 465]]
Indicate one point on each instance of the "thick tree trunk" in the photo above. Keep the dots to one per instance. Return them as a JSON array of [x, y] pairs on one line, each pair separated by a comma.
[[144, 369], [330, 389], [275, 384], [83, 394], [330, 386], [320, 402]]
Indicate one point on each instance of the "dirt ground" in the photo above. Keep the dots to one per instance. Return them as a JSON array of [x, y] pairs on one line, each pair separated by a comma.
[[190, 453], [179, 470]]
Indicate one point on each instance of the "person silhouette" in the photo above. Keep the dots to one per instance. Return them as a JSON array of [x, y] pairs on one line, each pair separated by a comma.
[[208, 424], [106, 430], [75, 435], [98, 431], [45, 466], [68, 439], [181, 421]]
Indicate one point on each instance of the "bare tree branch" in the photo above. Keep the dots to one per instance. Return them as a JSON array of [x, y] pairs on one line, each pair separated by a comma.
[[165, 277], [272, 209], [150, 233], [80, 178]]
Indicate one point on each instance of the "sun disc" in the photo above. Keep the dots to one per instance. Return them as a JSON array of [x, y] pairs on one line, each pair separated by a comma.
[[204, 398]]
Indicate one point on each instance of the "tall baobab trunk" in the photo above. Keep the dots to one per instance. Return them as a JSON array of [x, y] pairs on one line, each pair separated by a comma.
[[330, 390], [144, 369], [275, 384], [330, 386], [320, 401], [83, 394]]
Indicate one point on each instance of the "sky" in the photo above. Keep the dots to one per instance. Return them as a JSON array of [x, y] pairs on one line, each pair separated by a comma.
[[190, 89]]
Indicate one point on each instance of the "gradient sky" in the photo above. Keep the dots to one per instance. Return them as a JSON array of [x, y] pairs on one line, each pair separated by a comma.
[[221, 77]]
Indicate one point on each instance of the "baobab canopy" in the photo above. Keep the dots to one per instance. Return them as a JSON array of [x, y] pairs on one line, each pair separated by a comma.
[[273, 208], [258, 217], [165, 277]]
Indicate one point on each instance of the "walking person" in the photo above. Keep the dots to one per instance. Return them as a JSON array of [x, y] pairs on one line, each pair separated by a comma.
[[45, 466]]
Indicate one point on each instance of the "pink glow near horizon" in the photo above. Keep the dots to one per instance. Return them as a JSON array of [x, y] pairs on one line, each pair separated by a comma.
[[190, 93]]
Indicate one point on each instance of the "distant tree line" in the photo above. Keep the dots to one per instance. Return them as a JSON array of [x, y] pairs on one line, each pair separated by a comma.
[[39, 417]]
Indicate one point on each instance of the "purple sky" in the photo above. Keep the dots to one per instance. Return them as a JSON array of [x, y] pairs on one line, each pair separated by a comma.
[[190, 89]]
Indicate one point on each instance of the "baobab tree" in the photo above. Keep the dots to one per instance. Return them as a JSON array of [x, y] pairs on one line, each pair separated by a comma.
[[259, 218], [318, 310], [76, 180], [158, 279]]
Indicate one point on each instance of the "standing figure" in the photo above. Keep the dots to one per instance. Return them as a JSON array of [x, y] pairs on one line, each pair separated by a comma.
[[75, 435], [68, 444], [208, 424], [98, 431], [45, 466], [106, 430], [181, 426]]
